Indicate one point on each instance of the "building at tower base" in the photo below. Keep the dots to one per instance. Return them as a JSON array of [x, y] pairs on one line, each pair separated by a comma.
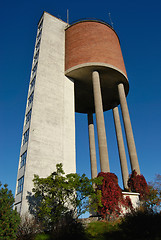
[[135, 201]]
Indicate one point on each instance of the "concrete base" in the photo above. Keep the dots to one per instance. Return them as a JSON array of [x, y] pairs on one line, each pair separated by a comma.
[[134, 200]]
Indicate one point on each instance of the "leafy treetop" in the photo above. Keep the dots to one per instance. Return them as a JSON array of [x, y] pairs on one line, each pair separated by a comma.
[[9, 218], [59, 195], [153, 200]]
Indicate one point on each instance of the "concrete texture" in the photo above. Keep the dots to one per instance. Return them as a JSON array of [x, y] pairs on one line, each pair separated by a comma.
[[103, 153], [93, 41], [121, 148], [92, 147], [128, 130], [134, 200], [52, 124], [110, 77]]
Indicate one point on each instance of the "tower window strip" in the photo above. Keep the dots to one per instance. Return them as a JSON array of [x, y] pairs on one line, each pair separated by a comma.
[[39, 34], [23, 159], [20, 185], [32, 84], [36, 55], [40, 25], [30, 100], [28, 116], [26, 137], [34, 68], [38, 44]]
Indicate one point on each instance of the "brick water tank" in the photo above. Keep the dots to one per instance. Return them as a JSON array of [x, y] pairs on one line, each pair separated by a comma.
[[94, 46]]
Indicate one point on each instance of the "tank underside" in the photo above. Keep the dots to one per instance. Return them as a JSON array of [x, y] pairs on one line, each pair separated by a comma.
[[109, 78]]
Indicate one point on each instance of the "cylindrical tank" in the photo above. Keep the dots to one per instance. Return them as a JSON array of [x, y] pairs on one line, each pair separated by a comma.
[[94, 46]]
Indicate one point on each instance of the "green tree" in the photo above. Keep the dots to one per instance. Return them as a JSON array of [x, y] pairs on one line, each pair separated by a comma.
[[153, 200], [9, 218], [60, 197]]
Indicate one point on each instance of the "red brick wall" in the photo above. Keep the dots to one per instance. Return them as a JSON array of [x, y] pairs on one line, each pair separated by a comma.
[[92, 42]]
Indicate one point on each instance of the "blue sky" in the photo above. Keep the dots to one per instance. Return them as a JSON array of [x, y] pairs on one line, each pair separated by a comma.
[[137, 24]]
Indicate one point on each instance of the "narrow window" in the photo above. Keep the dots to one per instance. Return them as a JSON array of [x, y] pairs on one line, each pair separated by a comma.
[[32, 84], [28, 116], [40, 25], [25, 136], [38, 44], [39, 34], [20, 185], [36, 55], [23, 159], [30, 99], [34, 68]]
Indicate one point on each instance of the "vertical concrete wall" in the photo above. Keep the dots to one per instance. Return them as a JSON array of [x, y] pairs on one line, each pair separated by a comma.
[[52, 125], [134, 197]]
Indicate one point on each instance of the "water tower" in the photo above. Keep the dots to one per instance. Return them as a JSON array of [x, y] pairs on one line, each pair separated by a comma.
[[75, 68], [93, 59]]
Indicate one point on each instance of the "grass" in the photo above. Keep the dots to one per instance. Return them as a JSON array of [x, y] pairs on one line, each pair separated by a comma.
[[101, 230], [136, 226], [42, 236]]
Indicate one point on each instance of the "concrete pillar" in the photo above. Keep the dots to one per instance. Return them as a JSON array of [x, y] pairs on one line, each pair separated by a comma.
[[128, 130], [104, 162], [92, 147], [121, 148]]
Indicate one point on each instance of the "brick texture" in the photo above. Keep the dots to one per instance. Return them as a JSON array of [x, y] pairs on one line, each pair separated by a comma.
[[92, 41]]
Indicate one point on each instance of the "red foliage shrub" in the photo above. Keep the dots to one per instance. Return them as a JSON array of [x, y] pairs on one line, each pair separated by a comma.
[[137, 183], [112, 198]]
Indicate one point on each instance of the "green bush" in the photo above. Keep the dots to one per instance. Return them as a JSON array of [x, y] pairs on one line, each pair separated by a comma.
[[70, 229], [28, 228], [9, 218], [42, 236], [142, 225], [59, 196], [138, 225]]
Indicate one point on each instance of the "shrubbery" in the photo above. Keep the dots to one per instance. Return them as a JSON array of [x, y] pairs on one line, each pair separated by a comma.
[[138, 184], [112, 199], [153, 200], [55, 202], [60, 198], [142, 224], [9, 218], [138, 225], [28, 228]]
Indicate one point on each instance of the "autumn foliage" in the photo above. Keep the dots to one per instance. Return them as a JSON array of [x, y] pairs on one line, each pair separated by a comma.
[[137, 183], [112, 199]]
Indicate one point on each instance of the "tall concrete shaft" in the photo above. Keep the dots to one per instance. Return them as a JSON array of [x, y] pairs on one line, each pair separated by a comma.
[[121, 148], [104, 162], [92, 146], [128, 129]]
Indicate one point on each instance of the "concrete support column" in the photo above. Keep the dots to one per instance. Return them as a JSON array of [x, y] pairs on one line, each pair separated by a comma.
[[121, 148], [92, 147], [104, 162], [128, 129]]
